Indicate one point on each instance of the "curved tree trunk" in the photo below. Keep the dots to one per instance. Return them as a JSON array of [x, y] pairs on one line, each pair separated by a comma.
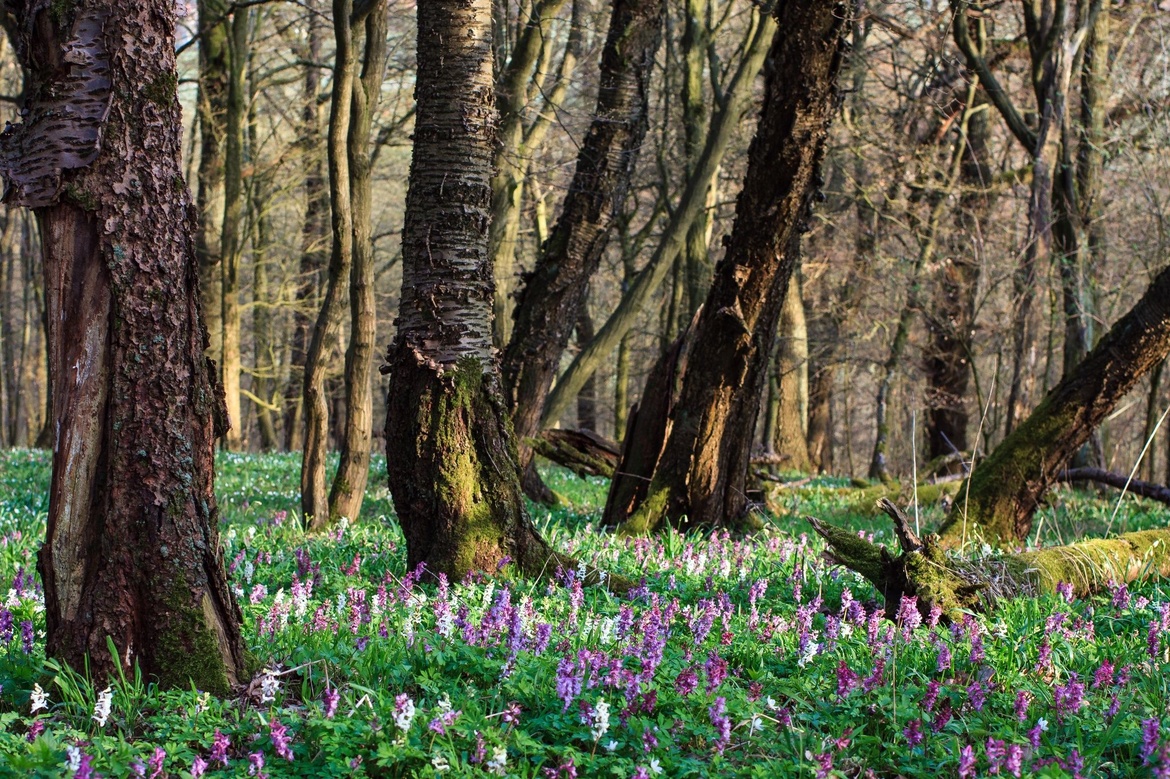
[[449, 445], [353, 469], [314, 499], [703, 468], [551, 300], [132, 549], [1000, 497]]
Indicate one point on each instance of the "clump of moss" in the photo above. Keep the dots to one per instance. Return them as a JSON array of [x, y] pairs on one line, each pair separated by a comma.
[[162, 89]]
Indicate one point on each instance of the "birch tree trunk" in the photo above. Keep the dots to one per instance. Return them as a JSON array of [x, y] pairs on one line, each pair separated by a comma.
[[449, 444], [132, 549]]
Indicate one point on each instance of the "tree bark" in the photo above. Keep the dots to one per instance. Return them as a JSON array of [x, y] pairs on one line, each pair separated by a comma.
[[1002, 493], [453, 472], [264, 339], [214, 57], [673, 239], [952, 319], [791, 433], [550, 302], [701, 475], [314, 498], [232, 239], [314, 230], [353, 469], [132, 549], [587, 397]]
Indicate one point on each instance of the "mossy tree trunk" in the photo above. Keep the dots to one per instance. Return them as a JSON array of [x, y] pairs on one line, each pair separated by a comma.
[[924, 571], [1002, 493], [132, 549], [702, 472], [551, 300], [353, 468], [452, 458]]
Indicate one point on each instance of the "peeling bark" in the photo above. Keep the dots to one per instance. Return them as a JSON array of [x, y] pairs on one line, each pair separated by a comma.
[[132, 549]]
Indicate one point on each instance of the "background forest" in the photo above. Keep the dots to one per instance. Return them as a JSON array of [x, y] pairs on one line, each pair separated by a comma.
[[910, 282]]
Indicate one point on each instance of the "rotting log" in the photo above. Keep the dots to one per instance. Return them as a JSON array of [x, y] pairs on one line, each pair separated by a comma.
[[584, 452], [924, 569]]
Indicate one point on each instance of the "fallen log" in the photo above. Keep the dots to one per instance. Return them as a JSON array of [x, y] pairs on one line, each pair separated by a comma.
[[584, 452], [1145, 489], [924, 570]]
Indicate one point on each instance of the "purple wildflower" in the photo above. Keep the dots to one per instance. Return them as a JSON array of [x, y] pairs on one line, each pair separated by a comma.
[[847, 680], [996, 753], [931, 695], [1065, 590], [281, 743], [908, 616], [913, 732], [1023, 701], [721, 723], [569, 679], [198, 767], [219, 748], [6, 628], [1013, 761], [156, 762], [26, 636], [944, 658], [256, 764], [1069, 697], [716, 669], [1150, 728], [966, 762], [686, 682], [331, 698], [877, 677], [977, 694]]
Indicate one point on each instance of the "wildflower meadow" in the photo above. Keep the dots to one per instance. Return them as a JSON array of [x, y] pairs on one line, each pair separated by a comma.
[[745, 657]]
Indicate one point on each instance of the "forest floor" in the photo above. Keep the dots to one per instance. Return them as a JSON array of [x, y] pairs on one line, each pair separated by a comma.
[[736, 657]]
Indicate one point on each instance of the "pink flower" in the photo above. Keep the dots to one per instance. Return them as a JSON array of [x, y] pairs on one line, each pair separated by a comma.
[[966, 762], [281, 743], [219, 748]]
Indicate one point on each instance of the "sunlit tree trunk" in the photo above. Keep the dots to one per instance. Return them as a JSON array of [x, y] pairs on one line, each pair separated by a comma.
[[353, 470], [314, 232], [449, 446], [132, 549], [790, 440], [214, 57], [700, 478]]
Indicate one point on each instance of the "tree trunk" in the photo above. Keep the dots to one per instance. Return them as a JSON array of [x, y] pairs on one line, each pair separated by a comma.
[[1002, 493], [132, 549], [702, 472], [232, 239], [353, 469], [313, 233], [952, 321], [924, 570], [214, 58], [551, 300], [791, 433], [673, 239], [453, 474], [511, 163], [314, 499], [587, 397], [264, 339]]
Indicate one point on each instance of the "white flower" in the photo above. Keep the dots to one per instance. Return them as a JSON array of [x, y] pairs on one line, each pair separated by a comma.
[[655, 766], [499, 761], [249, 571], [772, 705], [74, 757], [403, 712], [445, 703], [757, 724], [1042, 724], [40, 699], [101, 710], [610, 745], [600, 720], [440, 762], [269, 686]]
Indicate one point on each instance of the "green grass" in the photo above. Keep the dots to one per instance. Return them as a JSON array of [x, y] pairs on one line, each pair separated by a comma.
[[767, 607]]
